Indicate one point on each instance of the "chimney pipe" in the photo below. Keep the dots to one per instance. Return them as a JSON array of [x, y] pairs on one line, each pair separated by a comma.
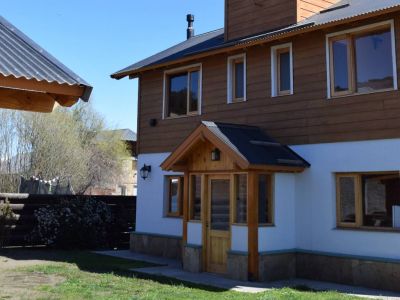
[[190, 29]]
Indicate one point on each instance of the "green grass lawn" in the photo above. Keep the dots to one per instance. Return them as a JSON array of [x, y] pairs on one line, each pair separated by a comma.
[[90, 276]]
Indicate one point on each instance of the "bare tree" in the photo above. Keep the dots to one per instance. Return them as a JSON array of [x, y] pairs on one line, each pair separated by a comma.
[[68, 144]]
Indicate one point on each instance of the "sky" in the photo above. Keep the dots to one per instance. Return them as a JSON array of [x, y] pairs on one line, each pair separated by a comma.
[[95, 38]]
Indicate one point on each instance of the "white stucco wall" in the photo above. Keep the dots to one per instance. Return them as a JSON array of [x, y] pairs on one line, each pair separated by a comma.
[[316, 202], [194, 235], [282, 235], [150, 215], [304, 204], [239, 238]]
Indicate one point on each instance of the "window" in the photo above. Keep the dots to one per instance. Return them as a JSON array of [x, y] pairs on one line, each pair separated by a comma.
[[237, 78], [265, 199], [282, 70], [369, 200], [175, 196], [240, 214], [182, 92], [195, 197], [362, 60]]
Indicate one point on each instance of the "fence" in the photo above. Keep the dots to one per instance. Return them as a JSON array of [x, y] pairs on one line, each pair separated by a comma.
[[24, 206]]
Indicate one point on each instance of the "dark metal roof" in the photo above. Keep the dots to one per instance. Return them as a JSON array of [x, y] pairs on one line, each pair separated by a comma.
[[21, 57], [255, 146], [345, 9], [198, 43]]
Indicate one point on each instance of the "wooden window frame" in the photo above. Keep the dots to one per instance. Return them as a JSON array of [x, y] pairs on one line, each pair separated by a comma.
[[358, 224], [188, 70], [271, 202], [234, 182], [179, 213], [231, 89], [192, 197], [275, 70], [350, 35]]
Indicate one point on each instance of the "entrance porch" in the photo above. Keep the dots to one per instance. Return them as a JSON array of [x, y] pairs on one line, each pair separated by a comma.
[[228, 195]]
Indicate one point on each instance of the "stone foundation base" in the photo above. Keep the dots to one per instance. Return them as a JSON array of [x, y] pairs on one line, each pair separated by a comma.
[[157, 245], [192, 258], [237, 266], [346, 270], [366, 272], [276, 266]]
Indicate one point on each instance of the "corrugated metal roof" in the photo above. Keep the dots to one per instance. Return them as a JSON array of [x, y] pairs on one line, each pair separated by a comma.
[[251, 143], [21, 57], [345, 9]]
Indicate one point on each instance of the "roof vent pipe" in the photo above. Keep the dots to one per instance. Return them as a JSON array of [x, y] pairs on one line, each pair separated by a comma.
[[190, 29]]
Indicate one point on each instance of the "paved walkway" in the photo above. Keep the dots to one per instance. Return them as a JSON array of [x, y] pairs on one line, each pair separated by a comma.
[[173, 268]]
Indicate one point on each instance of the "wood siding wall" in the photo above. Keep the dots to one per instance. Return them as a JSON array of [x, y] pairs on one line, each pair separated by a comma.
[[247, 17], [303, 118], [307, 8]]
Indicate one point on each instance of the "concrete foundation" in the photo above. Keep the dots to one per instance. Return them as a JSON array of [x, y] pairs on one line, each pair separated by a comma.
[[237, 266], [157, 245], [192, 259]]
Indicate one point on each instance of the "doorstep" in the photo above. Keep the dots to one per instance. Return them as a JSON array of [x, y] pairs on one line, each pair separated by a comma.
[[173, 269]]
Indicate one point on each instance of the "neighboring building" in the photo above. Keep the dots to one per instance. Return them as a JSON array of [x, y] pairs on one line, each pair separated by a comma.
[[216, 113], [127, 182], [31, 78]]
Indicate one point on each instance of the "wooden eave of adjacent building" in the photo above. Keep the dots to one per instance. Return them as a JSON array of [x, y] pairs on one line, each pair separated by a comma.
[[253, 41], [37, 96], [177, 160]]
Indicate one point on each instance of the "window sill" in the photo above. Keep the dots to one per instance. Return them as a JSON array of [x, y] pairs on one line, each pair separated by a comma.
[[266, 225], [361, 94], [282, 95], [172, 217], [237, 101], [369, 229], [181, 117]]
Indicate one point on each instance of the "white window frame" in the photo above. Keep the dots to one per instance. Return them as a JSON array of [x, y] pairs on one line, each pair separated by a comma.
[[361, 28], [230, 78], [165, 96], [274, 70]]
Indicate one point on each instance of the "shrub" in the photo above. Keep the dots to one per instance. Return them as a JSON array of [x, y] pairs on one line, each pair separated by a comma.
[[6, 217], [76, 223]]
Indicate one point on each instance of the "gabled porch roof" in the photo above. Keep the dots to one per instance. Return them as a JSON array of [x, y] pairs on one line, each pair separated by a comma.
[[248, 146]]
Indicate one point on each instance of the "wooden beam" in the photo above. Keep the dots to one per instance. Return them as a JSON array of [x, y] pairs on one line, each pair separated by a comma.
[[252, 225], [41, 86], [24, 100]]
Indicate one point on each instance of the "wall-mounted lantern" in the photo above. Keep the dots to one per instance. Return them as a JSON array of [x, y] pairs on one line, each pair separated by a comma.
[[216, 155], [144, 171]]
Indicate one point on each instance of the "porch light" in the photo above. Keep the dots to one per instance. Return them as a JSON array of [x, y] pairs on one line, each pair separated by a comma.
[[144, 171], [215, 155]]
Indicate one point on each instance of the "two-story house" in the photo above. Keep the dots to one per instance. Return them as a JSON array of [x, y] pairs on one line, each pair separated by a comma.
[[270, 149]]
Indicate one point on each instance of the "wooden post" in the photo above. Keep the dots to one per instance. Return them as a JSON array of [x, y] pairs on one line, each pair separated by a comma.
[[252, 223], [185, 208]]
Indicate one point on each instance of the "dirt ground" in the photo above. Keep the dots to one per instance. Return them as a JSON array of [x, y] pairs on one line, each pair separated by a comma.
[[16, 284]]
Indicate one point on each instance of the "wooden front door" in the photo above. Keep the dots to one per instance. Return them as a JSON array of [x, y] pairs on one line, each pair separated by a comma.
[[218, 223]]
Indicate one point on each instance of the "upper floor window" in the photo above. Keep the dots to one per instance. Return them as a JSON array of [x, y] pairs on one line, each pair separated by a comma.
[[183, 92], [368, 200], [362, 60], [237, 78], [282, 70]]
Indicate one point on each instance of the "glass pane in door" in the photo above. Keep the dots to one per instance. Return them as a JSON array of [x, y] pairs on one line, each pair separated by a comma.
[[220, 204]]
